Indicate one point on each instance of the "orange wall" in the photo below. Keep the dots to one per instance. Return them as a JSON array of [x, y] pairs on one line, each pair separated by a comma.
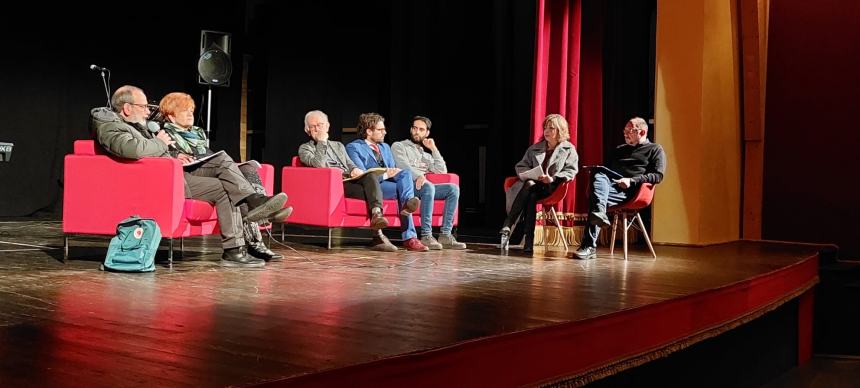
[[698, 116]]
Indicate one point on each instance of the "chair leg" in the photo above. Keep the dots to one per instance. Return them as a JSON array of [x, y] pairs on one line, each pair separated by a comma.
[[65, 248], [170, 253], [329, 238], [182, 247], [282, 232], [624, 237], [558, 225], [612, 238], [645, 234]]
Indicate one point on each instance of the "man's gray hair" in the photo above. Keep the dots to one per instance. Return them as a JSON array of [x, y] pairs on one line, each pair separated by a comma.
[[314, 113], [639, 123], [123, 95]]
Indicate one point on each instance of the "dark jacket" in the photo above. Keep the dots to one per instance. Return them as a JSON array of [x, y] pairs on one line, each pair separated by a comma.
[[124, 139]]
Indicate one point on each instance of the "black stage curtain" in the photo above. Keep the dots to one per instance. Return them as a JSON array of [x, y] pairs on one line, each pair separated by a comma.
[[48, 88], [466, 65]]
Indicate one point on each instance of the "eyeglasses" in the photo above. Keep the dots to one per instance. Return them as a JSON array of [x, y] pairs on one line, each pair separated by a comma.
[[631, 130], [318, 126], [145, 106]]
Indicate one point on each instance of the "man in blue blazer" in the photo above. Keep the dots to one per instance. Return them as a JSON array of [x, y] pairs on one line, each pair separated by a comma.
[[370, 151]]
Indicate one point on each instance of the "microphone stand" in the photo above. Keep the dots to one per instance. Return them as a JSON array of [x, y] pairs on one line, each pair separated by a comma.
[[106, 83]]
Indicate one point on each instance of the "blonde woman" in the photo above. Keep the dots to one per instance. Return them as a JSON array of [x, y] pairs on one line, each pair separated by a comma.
[[558, 159]]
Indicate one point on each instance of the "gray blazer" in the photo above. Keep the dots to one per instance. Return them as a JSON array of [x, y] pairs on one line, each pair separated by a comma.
[[563, 164], [319, 154]]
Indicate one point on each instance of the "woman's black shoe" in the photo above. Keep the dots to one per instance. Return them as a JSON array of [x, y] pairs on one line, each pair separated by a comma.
[[528, 244]]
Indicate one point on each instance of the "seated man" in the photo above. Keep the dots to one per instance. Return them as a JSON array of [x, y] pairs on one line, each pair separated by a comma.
[[370, 151], [123, 132], [325, 153], [410, 155], [638, 161]]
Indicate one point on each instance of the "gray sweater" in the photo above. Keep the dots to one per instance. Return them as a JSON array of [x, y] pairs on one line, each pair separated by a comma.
[[412, 157]]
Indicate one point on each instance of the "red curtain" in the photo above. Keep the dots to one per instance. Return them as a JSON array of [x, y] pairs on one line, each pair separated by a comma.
[[565, 84]]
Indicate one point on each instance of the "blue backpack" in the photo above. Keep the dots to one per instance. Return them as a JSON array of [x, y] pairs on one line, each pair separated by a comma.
[[134, 246]]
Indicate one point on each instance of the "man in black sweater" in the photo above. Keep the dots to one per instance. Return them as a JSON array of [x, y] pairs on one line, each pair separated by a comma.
[[638, 161]]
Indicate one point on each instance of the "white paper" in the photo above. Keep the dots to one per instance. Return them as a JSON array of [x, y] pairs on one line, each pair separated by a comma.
[[532, 174], [203, 159]]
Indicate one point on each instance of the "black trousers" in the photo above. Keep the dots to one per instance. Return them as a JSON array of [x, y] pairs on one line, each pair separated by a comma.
[[525, 205], [366, 188]]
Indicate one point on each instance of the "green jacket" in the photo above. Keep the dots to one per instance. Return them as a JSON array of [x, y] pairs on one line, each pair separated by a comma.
[[124, 139]]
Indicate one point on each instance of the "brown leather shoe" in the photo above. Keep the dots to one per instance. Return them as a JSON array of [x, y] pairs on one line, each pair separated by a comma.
[[377, 220], [410, 206], [381, 243]]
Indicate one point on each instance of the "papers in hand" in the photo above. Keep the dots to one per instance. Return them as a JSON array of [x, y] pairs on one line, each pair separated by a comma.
[[376, 171], [202, 159], [532, 174], [611, 174]]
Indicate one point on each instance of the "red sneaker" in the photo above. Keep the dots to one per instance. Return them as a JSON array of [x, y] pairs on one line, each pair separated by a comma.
[[413, 244]]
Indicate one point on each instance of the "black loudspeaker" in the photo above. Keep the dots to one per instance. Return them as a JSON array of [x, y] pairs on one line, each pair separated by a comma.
[[214, 65]]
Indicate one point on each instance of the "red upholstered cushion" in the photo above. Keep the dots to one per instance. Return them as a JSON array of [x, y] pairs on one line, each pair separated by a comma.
[[86, 147], [197, 210]]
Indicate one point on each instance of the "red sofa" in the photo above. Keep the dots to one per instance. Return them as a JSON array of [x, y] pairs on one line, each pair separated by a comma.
[[101, 190], [317, 198]]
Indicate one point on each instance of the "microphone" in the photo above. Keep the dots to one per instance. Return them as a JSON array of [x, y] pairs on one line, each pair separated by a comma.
[[98, 68], [152, 126]]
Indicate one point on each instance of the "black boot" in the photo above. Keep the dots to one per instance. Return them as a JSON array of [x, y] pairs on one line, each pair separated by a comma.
[[237, 257], [528, 244]]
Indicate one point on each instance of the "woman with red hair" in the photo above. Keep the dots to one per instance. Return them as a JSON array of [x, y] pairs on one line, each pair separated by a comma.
[[177, 110]]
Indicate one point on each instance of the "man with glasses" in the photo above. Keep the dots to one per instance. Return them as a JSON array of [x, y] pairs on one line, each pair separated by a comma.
[[637, 161], [371, 151], [410, 155], [123, 132], [321, 152]]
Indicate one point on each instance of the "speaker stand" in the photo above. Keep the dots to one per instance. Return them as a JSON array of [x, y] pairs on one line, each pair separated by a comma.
[[208, 116]]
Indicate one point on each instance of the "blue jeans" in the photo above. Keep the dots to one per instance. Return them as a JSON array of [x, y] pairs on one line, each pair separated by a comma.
[[604, 193], [401, 187], [427, 193]]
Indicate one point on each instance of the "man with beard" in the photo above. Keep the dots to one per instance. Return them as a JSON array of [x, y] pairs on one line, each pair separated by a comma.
[[638, 161], [122, 131], [410, 155], [370, 151]]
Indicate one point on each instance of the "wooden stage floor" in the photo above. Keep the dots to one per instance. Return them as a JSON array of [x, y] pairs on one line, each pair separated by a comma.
[[202, 325]]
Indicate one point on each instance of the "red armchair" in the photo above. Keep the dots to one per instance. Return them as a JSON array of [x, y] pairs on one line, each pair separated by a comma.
[[101, 190], [317, 198]]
